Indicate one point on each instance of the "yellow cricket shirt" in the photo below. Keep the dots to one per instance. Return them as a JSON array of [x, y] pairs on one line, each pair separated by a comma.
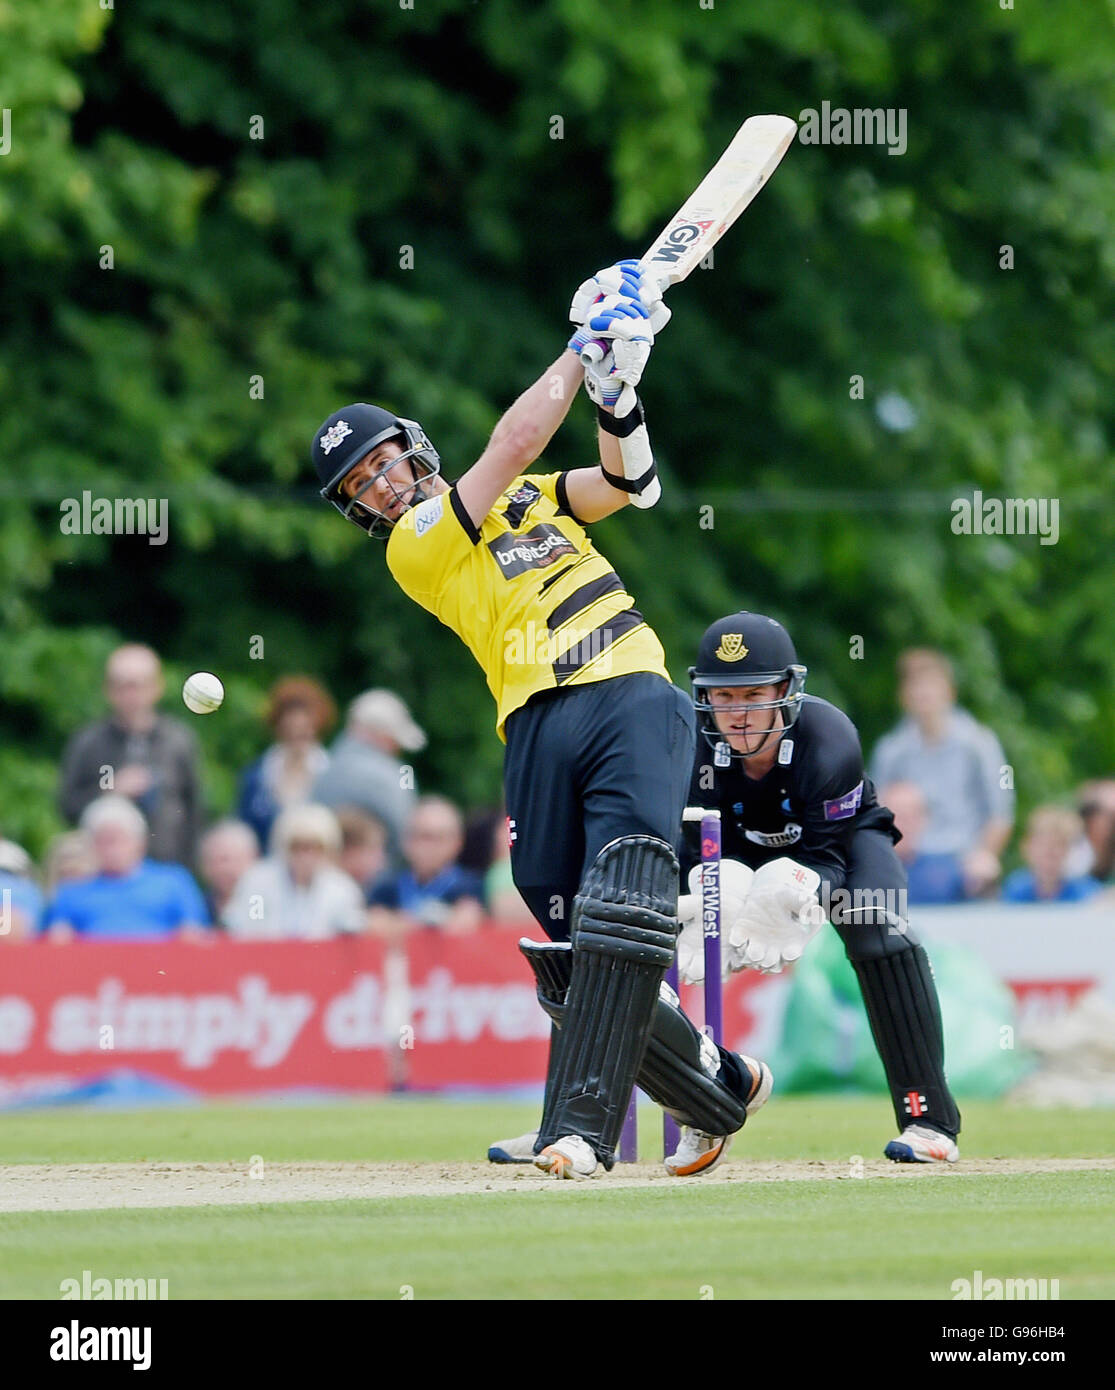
[[529, 594]]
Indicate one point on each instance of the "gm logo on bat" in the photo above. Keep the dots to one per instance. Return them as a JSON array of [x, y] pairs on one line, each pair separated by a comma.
[[679, 238]]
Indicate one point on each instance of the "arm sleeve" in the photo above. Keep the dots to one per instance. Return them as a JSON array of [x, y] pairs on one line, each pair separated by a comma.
[[832, 795]]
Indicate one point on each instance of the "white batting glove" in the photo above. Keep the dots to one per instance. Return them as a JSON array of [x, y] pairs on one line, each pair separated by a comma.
[[781, 916], [735, 884], [628, 278], [611, 382]]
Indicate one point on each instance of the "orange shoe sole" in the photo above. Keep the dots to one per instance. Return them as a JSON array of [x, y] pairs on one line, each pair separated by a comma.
[[558, 1165], [705, 1164]]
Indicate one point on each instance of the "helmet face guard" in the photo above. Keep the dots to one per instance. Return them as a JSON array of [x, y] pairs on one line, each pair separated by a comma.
[[424, 461], [793, 676]]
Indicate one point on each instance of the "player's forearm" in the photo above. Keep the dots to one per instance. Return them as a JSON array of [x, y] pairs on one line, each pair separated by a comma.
[[521, 435], [611, 459], [528, 425]]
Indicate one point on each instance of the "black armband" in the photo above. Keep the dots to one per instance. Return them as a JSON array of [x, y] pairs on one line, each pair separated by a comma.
[[621, 428], [625, 485]]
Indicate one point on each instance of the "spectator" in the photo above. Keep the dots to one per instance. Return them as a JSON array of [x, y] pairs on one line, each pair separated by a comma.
[[363, 847], [299, 712], [69, 856], [1050, 834], [140, 754], [505, 902], [228, 849], [432, 890], [129, 897], [931, 878], [957, 763], [21, 902], [1094, 853], [365, 770], [298, 890]]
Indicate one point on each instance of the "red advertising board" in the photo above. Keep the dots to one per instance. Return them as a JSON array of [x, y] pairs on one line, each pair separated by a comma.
[[223, 1017]]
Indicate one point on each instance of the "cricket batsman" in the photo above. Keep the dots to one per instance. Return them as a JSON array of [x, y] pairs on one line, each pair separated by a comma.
[[599, 742], [805, 841]]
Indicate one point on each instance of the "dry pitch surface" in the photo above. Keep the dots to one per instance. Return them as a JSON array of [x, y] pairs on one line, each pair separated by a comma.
[[97, 1186]]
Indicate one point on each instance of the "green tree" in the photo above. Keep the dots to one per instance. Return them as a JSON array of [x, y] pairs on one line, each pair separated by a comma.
[[303, 205]]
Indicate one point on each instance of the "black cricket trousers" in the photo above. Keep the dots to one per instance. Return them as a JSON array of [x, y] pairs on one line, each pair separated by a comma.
[[585, 765]]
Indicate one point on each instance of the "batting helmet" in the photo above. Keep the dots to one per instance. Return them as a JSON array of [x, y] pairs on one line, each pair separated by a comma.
[[347, 437]]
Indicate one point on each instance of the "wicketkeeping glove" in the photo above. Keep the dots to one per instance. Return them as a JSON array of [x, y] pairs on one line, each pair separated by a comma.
[[735, 884], [781, 916]]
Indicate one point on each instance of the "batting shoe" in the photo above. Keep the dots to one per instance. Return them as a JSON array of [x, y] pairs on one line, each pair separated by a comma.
[[570, 1157], [520, 1150], [920, 1144], [698, 1152]]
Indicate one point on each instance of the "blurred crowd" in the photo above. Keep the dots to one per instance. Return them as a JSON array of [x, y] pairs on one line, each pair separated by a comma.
[[324, 839], [946, 778], [332, 839]]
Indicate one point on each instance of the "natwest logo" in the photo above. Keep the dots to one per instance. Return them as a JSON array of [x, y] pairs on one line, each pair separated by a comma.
[[841, 807]]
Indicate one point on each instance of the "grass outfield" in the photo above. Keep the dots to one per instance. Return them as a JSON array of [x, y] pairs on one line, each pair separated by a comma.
[[805, 1239]]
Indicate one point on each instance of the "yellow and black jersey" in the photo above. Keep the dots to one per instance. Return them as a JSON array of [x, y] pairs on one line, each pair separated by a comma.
[[529, 595]]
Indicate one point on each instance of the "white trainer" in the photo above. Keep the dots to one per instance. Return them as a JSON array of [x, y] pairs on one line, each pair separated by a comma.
[[520, 1150], [698, 1152], [568, 1157], [920, 1144]]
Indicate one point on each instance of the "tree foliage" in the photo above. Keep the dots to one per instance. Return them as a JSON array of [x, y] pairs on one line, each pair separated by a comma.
[[434, 131]]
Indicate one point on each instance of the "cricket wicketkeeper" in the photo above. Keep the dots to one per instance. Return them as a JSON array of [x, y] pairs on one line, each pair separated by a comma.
[[600, 743], [805, 841]]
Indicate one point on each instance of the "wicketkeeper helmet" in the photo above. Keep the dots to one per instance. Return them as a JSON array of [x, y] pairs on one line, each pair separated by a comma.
[[746, 649]]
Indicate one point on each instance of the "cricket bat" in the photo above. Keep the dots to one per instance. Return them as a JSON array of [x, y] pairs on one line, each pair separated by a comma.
[[713, 206]]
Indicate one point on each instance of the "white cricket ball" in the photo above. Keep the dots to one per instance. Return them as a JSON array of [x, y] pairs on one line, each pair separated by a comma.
[[203, 693]]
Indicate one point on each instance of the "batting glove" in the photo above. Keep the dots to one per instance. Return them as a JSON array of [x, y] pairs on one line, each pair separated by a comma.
[[628, 278]]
